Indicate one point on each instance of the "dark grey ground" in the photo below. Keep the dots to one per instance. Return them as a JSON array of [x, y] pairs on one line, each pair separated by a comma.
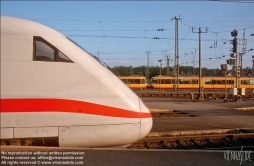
[[208, 115], [114, 157]]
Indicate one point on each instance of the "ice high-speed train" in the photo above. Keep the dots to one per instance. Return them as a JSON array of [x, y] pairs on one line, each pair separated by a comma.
[[54, 93]]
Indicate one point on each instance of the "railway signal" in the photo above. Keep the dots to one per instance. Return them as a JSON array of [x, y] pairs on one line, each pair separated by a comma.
[[235, 62], [234, 33], [234, 43], [223, 66]]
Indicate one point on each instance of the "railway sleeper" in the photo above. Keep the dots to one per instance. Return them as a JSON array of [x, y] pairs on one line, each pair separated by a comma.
[[198, 145], [166, 145], [148, 146], [210, 143], [155, 145], [246, 141], [181, 145], [228, 142]]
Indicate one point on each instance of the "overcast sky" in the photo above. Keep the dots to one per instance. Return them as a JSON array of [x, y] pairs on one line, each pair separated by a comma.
[[121, 33]]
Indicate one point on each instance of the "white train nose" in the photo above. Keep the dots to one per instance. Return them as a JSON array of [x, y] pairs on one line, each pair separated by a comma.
[[146, 120]]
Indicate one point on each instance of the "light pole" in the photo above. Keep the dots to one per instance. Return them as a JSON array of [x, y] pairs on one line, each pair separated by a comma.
[[225, 70], [160, 73], [193, 64], [201, 96]]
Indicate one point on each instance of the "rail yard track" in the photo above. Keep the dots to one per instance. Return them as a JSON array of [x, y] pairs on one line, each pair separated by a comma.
[[231, 139], [188, 94], [171, 114]]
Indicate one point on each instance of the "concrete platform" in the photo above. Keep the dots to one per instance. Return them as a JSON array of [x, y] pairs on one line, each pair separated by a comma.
[[208, 115]]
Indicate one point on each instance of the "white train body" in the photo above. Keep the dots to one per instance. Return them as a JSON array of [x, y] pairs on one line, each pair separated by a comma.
[[52, 88]]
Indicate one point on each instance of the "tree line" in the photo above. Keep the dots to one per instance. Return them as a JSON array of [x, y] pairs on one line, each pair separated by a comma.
[[183, 71]]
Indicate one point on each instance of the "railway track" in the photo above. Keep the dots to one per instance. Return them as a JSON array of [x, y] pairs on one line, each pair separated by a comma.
[[236, 139], [188, 94], [171, 114]]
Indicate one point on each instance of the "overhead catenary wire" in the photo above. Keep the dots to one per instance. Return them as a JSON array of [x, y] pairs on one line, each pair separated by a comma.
[[146, 35]]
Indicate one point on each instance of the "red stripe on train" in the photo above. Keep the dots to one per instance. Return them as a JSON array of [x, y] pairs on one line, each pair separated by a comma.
[[69, 106]]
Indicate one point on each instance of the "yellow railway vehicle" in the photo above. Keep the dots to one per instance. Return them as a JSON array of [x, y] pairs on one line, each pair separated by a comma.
[[247, 82], [134, 81], [217, 82], [166, 82]]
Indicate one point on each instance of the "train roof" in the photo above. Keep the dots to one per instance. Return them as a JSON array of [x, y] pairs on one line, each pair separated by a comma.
[[196, 77], [18, 26], [134, 76]]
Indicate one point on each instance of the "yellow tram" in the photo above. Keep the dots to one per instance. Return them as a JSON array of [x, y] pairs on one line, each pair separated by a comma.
[[167, 82], [134, 81]]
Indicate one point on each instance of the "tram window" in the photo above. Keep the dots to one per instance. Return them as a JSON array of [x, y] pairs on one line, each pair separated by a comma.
[[167, 81], [247, 82], [194, 81], [44, 51], [208, 81], [230, 81], [186, 81], [161, 81], [124, 81], [181, 81], [220, 82], [244, 82], [153, 81], [134, 81]]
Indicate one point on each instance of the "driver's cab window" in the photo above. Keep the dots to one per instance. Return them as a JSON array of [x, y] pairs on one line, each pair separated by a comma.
[[44, 51]]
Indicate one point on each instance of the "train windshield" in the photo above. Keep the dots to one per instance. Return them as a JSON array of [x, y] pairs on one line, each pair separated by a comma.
[[96, 58], [153, 80]]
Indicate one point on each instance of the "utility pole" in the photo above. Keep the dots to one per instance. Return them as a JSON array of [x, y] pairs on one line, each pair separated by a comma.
[[241, 56], [176, 60], [201, 96], [167, 60], [193, 65], [160, 73], [193, 73], [167, 65], [242, 43], [147, 68]]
